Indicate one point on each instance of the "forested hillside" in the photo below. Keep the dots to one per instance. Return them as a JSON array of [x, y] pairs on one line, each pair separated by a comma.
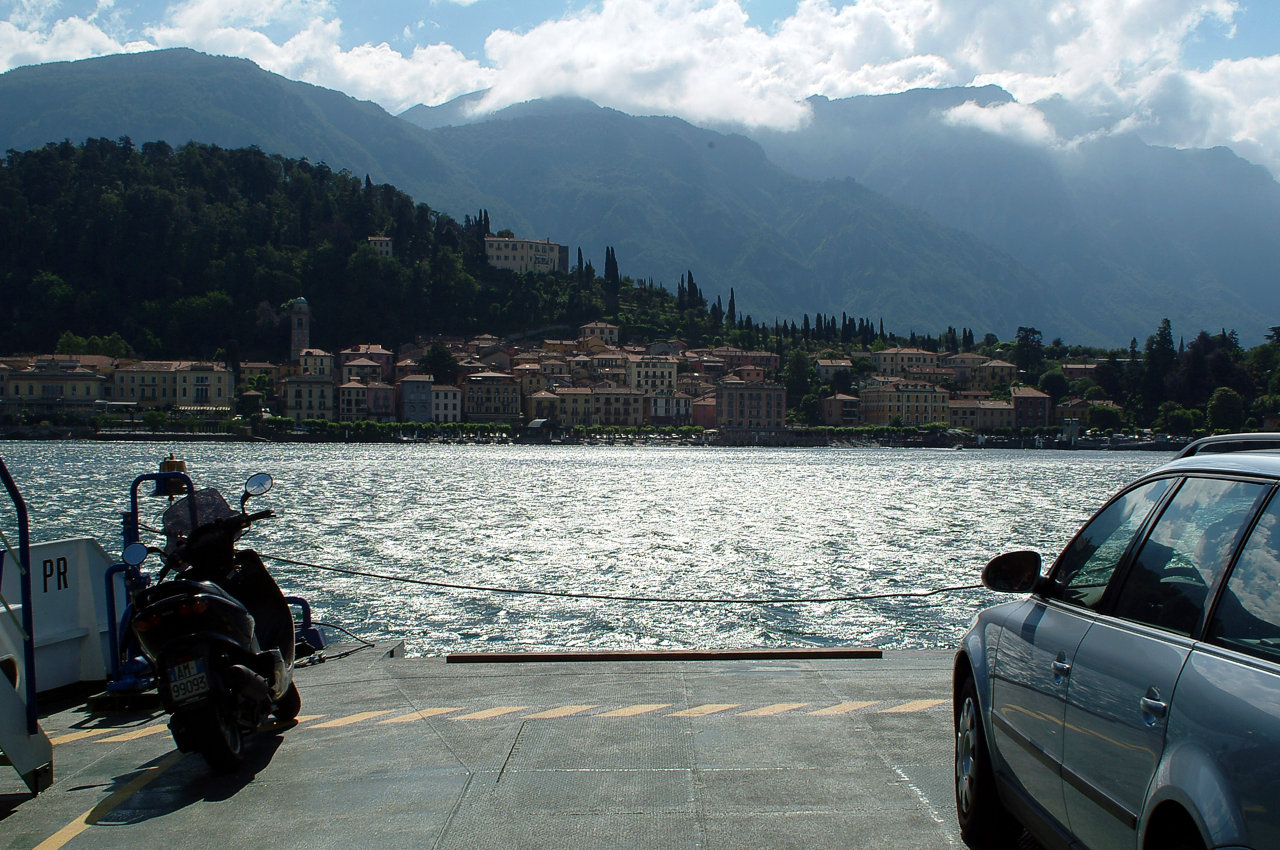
[[185, 252]]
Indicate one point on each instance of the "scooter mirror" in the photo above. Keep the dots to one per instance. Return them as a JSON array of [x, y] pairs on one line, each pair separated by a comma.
[[134, 554], [258, 484]]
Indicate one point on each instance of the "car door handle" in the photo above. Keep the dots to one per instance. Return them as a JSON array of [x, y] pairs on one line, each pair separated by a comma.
[[1154, 707], [1061, 669]]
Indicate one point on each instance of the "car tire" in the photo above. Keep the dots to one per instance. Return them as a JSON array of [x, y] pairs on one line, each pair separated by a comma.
[[983, 818]]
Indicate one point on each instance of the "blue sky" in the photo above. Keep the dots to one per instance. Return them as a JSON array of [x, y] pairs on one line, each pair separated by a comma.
[[1187, 73]]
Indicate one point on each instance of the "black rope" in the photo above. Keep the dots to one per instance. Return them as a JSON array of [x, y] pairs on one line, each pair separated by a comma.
[[679, 600]]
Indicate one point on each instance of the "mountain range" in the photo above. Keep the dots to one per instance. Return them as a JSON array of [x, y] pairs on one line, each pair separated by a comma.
[[880, 207]]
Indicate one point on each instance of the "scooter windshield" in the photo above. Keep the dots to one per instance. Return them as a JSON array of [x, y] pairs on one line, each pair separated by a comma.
[[210, 505]]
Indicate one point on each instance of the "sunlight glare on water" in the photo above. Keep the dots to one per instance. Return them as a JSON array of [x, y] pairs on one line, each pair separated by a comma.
[[618, 520]]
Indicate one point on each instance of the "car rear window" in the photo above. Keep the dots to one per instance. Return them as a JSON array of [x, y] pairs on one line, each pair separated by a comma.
[[1248, 615]]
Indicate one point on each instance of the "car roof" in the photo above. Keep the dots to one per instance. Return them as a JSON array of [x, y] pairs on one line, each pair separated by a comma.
[[1224, 443], [1264, 462]]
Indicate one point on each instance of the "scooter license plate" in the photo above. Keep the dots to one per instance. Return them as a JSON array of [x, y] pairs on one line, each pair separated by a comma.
[[188, 680]]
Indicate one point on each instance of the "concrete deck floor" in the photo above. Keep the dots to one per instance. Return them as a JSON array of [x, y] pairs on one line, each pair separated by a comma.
[[394, 752]]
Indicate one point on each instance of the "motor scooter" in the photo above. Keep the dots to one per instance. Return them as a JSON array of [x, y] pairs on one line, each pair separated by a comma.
[[215, 627]]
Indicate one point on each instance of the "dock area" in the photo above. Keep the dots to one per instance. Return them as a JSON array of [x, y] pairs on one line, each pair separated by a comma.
[[394, 752]]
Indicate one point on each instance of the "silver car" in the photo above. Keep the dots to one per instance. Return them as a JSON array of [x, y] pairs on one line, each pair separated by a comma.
[[1132, 700]]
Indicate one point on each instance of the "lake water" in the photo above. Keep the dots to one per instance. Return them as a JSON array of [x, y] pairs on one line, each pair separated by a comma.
[[666, 522]]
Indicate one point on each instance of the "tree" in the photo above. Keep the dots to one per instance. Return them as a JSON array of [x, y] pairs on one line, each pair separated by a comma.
[[1226, 410], [797, 376], [1103, 417], [440, 364], [1028, 350], [1054, 384]]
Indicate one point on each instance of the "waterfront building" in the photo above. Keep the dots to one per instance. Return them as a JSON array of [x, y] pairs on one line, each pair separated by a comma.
[[308, 396], [51, 386], [298, 313], [315, 361], [962, 364], [702, 412], [204, 389], [361, 369], [1031, 408], [380, 401], [905, 402], [993, 373], [981, 415], [381, 245], [374, 352], [651, 372], [670, 407], [414, 396], [603, 331], [491, 397], [530, 378], [353, 402], [526, 255], [621, 406], [900, 362], [754, 406], [543, 404], [733, 358], [827, 368], [841, 410], [609, 366], [575, 406], [1079, 371], [446, 403], [146, 383]]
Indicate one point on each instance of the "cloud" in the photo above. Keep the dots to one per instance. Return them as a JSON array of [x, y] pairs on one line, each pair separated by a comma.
[[1016, 120], [1118, 65]]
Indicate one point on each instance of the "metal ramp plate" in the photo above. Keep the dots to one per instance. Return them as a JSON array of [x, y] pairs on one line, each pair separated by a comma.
[[30, 755]]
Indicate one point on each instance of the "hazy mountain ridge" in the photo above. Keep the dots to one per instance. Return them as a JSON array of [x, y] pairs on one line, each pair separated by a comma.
[[1006, 234], [1123, 228]]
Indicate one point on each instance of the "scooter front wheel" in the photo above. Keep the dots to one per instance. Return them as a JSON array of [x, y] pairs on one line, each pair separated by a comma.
[[219, 739]]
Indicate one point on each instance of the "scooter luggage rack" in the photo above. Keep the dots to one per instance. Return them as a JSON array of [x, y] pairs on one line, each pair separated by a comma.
[[135, 674]]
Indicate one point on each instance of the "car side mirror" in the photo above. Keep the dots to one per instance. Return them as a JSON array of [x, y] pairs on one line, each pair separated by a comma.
[[1012, 572]]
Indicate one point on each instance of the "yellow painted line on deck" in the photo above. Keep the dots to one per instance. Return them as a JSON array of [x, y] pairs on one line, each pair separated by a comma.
[[81, 735], [492, 712], [562, 711], [914, 705], [842, 708], [349, 719], [307, 718], [633, 710], [773, 710], [420, 714], [144, 732], [97, 813], [704, 710]]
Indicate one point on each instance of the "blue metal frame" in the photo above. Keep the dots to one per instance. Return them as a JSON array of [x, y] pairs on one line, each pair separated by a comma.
[[28, 623], [135, 674]]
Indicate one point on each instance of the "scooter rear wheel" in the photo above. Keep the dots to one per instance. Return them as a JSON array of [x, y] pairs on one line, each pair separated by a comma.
[[289, 705], [220, 741]]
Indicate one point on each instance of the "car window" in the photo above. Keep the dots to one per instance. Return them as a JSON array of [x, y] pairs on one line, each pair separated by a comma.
[[1086, 565], [1168, 584], [1248, 615]]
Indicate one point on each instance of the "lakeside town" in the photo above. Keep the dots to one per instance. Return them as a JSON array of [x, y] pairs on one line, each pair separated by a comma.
[[542, 392]]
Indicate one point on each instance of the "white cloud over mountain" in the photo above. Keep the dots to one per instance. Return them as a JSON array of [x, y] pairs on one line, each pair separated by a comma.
[[1121, 61]]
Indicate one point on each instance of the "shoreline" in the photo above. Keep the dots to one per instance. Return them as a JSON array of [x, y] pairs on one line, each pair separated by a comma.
[[797, 439]]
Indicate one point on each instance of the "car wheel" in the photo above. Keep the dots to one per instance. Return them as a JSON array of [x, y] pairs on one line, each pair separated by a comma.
[[982, 816]]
